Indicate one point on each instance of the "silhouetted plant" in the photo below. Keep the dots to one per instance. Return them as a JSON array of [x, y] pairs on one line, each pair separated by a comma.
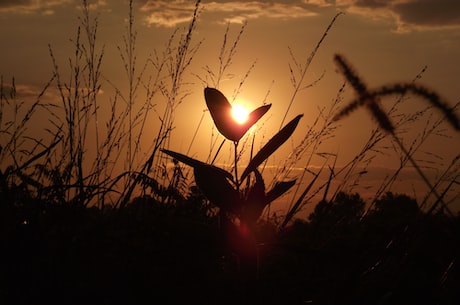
[[224, 189]]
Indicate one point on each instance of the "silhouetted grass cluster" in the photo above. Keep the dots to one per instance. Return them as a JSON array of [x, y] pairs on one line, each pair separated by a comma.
[[91, 214]]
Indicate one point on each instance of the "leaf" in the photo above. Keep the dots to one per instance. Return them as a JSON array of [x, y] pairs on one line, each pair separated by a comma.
[[255, 201], [213, 181], [221, 113], [253, 117], [257, 190], [279, 189], [272, 145], [182, 158], [220, 110], [194, 162], [216, 187]]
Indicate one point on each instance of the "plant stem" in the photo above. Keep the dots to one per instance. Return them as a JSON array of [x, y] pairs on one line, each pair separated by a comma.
[[307, 65], [236, 166], [422, 175]]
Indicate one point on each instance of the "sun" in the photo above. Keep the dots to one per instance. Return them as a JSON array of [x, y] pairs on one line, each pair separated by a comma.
[[239, 113]]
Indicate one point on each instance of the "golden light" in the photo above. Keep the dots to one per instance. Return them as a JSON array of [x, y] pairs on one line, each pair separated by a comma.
[[239, 113]]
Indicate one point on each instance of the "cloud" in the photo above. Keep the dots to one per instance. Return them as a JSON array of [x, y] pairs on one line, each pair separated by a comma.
[[44, 7], [29, 93], [31, 6], [429, 12], [172, 13], [408, 15], [167, 13]]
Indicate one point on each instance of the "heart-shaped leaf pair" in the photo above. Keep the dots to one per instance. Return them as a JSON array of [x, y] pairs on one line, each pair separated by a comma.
[[221, 113]]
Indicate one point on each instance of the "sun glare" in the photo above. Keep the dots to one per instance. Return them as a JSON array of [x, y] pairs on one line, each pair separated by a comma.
[[240, 114]]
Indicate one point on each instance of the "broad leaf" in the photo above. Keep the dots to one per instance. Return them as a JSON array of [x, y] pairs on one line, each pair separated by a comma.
[[221, 112], [217, 188], [272, 145], [213, 181]]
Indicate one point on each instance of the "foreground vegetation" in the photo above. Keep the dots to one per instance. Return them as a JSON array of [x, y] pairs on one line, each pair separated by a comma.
[[150, 253], [76, 229]]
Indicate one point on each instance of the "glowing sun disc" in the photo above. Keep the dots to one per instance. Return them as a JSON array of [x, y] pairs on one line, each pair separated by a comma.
[[240, 114]]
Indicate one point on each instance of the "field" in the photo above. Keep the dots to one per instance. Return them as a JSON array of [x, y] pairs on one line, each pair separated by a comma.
[[100, 209]]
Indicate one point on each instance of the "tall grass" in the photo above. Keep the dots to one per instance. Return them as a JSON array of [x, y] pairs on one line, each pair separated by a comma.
[[79, 162], [80, 165], [370, 99]]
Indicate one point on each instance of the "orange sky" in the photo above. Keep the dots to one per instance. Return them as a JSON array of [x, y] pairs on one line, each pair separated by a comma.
[[385, 41]]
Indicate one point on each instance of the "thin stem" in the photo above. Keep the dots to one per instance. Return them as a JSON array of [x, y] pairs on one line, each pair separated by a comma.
[[217, 152], [307, 65], [236, 166], [196, 132], [420, 172]]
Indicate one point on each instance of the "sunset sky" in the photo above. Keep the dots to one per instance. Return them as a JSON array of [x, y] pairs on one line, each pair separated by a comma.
[[386, 41]]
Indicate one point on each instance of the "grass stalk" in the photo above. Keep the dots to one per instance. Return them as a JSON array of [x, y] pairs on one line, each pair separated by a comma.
[[298, 84]]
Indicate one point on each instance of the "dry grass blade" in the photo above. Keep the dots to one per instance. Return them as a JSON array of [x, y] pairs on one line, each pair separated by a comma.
[[432, 97], [365, 96], [39, 155], [295, 208], [370, 98], [303, 72], [350, 75], [380, 115]]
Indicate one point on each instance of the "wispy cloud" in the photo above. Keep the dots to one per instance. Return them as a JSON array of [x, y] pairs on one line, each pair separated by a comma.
[[172, 13], [31, 6], [408, 15], [30, 93], [167, 13], [44, 7]]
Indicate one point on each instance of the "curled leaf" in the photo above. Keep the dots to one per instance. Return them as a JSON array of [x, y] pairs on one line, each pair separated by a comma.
[[221, 113]]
